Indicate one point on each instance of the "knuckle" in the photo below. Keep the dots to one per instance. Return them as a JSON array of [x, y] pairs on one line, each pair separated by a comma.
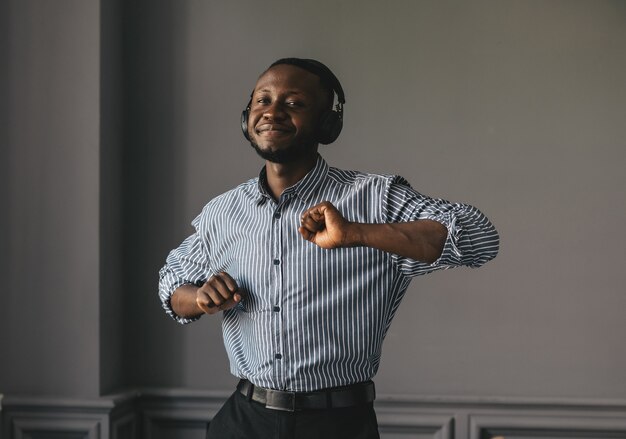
[[224, 277]]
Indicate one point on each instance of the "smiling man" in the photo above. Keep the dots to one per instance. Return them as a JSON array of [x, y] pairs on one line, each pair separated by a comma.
[[307, 264], [279, 136]]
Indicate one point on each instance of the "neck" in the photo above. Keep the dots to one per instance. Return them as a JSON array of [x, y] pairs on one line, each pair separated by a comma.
[[280, 176]]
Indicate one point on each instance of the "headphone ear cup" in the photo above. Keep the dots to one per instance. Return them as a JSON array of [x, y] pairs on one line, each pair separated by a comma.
[[330, 127], [244, 123]]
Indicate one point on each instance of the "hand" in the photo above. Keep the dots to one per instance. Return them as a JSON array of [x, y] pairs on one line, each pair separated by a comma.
[[219, 293], [324, 226]]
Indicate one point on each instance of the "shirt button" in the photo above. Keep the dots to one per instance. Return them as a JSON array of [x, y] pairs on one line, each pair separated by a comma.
[[277, 215], [276, 262], [278, 356], [277, 309]]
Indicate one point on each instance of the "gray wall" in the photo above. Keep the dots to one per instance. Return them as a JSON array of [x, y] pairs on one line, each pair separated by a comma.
[[122, 121], [111, 286], [49, 317]]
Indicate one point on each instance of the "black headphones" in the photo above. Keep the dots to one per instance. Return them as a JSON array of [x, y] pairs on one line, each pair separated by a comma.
[[331, 121]]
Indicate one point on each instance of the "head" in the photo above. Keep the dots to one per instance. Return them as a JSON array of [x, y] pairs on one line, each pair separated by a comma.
[[290, 110]]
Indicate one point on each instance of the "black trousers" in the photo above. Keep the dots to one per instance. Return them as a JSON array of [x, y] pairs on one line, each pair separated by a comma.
[[240, 418]]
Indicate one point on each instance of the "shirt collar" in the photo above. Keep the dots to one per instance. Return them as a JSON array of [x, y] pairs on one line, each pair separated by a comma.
[[303, 189]]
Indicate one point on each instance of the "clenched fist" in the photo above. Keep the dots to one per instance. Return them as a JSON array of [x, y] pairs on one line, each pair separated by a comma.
[[219, 293], [324, 226]]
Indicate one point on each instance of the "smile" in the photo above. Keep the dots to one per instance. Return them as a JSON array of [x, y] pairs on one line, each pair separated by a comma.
[[272, 129]]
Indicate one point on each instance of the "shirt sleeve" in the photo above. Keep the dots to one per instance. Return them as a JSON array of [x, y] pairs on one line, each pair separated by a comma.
[[472, 239], [187, 264]]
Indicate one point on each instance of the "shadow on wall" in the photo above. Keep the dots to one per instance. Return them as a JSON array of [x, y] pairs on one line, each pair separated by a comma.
[[152, 57], [5, 158]]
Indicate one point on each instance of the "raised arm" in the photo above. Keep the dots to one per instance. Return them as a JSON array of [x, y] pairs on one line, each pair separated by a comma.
[[425, 234], [421, 240]]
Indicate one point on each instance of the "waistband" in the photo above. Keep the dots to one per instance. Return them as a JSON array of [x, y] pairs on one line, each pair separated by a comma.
[[339, 397]]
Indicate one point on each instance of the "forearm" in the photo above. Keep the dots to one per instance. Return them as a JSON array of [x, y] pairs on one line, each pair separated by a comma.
[[184, 302], [421, 240]]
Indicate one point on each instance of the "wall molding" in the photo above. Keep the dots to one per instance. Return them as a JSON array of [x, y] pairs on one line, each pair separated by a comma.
[[40, 417], [540, 426], [184, 413]]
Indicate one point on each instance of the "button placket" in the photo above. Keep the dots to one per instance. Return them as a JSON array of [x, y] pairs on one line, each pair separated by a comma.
[[277, 274]]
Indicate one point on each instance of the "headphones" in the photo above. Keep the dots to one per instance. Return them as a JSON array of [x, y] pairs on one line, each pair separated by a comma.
[[331, 121]]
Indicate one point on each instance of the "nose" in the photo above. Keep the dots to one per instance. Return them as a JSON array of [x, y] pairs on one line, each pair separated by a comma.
[[274, 111]]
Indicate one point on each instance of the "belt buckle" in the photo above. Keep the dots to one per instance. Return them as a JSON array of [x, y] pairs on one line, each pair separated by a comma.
[[279, 400]]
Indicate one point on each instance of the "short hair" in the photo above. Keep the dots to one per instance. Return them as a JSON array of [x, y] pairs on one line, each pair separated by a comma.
[[328, 80]]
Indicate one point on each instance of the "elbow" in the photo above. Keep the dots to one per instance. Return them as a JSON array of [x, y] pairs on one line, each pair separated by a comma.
[[488, 250]]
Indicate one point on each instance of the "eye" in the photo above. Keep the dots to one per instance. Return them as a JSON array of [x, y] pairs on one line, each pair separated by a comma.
[[295, 104]]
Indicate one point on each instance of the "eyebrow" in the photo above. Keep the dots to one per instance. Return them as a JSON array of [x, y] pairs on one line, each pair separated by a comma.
[[289, 92]]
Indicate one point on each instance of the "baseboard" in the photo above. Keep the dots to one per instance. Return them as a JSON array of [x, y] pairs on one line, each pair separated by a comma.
[[184, 414]]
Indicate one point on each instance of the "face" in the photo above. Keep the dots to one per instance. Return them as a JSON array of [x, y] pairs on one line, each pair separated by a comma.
[[286, 105]]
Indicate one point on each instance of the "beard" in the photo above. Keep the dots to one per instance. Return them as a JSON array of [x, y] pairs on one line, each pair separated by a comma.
[[291, 154]]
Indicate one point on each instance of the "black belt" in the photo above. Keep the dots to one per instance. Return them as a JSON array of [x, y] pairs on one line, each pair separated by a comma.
[[356, 394]]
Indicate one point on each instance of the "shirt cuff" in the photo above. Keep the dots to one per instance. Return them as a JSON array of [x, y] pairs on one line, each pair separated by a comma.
[[168, 283]]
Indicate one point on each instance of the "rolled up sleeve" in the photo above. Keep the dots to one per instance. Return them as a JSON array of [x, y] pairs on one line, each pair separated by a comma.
[[187, 264], [472, 239]]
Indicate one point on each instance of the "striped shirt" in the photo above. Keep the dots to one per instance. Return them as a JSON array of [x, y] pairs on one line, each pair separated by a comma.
[[314, 318]]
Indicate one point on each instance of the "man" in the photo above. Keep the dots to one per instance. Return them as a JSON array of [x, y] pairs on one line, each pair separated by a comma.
[[308, 265]]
